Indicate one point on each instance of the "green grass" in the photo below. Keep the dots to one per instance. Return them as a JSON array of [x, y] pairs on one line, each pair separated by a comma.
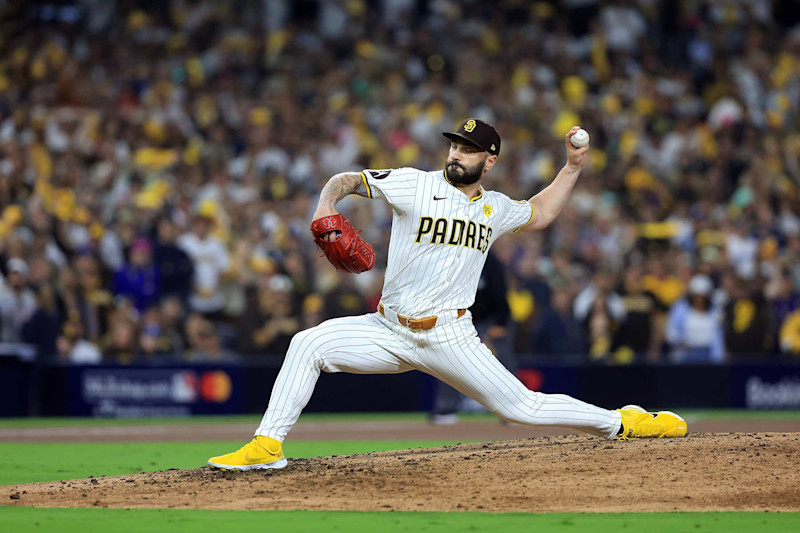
[[50, 461], [693, 414], [23, 520], [199, 420]]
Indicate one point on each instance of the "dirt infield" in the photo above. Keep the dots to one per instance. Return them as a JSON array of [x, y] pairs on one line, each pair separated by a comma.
[[724, 471], [471, 430]]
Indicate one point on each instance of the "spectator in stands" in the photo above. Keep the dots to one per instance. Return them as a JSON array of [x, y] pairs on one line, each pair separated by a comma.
[[789, 336], [661, 282], [44, 326], [73, 348], [749, 322], [601, 311], [17, 301], [694, 327], [211, 261], [784, 301], [103, 133], [171, 313], [297, 268], [524, 314], [173, 264], [271, 320], [153, 339], [532, 279], [313, 306], [639, 336], [344, 299], [138, 278], [88, 296], [203, 342], [117, 238], [558, 337], [119, 344], [529, 295]]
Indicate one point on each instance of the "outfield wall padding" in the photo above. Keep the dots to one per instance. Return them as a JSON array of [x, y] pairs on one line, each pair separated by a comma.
[[31, 389]]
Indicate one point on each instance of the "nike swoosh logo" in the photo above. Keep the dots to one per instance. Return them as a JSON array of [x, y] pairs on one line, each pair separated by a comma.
[[442, 198]]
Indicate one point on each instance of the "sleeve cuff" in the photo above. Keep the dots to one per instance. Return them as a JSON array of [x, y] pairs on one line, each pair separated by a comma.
[[364, 179], [529, 220]]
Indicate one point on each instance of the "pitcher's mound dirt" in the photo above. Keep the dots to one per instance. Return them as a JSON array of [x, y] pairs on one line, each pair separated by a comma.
[[722, 471]]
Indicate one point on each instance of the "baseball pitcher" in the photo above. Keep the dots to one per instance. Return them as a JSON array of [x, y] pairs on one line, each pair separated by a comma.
[[443, 224]]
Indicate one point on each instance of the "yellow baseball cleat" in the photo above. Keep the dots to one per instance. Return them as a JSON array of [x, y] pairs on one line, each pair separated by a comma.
[[638, 423], [261, 453]]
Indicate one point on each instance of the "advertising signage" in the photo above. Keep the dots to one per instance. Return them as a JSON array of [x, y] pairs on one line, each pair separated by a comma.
[[127, 392]]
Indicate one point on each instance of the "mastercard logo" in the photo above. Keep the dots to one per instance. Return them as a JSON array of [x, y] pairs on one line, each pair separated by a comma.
[[215, 386]]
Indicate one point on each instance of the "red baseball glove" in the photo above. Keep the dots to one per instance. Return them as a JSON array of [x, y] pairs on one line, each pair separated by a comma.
[[349, 251]]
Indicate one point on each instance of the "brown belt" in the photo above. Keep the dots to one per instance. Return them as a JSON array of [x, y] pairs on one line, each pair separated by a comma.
[[418, 323]]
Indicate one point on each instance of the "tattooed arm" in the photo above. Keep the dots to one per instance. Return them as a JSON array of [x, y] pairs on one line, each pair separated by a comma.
[[338, 187]]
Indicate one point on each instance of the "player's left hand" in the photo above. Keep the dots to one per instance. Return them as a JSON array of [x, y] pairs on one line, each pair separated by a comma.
[[348, 252], [326, 212], [576, 157]]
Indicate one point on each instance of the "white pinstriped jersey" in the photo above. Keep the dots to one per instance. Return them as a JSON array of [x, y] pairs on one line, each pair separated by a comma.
[[439, 238]]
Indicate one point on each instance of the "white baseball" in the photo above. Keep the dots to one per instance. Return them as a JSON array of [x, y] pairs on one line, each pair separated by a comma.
[[580, 139]]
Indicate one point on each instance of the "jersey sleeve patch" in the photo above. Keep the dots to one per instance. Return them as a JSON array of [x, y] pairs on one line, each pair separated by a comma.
[[378, 174], [396, 186]]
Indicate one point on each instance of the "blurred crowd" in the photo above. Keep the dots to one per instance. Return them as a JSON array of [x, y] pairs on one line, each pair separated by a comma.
[[160, 161]]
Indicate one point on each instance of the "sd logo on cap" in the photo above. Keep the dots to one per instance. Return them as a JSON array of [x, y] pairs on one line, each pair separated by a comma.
[[478, 133]]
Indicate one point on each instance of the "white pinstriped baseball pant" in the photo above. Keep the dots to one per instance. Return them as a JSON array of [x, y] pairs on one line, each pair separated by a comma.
[[453, 353]]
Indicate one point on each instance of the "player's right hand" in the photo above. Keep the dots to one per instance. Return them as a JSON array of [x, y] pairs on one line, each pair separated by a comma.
[[576, 157]]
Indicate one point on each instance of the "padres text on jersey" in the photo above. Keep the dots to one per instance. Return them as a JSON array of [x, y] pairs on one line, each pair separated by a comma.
[[461, 233], [439, 238]]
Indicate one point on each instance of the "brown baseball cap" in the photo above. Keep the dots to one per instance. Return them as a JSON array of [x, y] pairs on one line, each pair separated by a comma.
[[477, 132]]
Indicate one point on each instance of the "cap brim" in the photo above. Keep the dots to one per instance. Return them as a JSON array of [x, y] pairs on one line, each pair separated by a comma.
[[460, 138]]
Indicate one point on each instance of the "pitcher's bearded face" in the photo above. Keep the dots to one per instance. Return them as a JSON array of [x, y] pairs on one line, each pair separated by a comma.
[[459, 173]]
